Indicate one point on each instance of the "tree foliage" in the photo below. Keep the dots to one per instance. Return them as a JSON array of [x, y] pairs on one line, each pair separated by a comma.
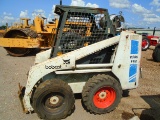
[[3, 27]]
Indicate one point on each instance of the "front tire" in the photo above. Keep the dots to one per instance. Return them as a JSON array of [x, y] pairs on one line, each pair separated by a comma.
[[101, 94], [53, 99]]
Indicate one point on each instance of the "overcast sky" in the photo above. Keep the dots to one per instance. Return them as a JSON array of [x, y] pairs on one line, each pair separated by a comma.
[[137, 13]]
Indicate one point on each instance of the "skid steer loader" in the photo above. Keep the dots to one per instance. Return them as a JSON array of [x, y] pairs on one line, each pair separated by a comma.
[[98, 65]]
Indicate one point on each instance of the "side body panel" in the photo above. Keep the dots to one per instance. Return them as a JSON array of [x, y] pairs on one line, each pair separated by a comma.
[[127, 60]]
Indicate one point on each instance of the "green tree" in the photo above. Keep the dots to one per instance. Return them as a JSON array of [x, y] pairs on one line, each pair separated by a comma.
[[2, 27]]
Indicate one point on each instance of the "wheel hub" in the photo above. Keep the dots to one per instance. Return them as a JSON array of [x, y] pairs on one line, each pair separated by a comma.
[[54, 100], [144, 44], [103, 95]]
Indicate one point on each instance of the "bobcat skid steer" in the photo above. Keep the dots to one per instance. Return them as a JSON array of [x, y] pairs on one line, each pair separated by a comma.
[[91, 61]]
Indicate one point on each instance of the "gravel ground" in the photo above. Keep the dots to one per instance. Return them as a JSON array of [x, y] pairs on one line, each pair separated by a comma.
[[143, 101]]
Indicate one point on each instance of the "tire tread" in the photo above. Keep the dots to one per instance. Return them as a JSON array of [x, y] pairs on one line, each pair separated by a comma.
[[48, 85], [95, 80]]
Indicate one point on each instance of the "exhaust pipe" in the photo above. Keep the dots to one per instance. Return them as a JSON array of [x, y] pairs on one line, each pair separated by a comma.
[[154, 31], [6, 26], [60, 2]]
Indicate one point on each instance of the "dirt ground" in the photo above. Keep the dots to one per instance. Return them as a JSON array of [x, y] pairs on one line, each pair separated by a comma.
[[143, 101]]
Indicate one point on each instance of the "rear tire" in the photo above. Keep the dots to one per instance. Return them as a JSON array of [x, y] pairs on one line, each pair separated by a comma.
[[101, 94], [156, 53], [145, 43], [53, 99]]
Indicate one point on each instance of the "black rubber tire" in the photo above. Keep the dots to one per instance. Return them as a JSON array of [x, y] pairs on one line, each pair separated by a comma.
[[153, 55], [156, 53], [148, 43], [93, 85], [42, 100]]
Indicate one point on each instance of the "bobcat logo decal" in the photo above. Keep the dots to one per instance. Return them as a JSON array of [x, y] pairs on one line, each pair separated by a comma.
[[66, 61]]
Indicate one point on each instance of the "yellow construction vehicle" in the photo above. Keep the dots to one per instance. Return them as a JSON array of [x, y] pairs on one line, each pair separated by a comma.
[[20, 39]]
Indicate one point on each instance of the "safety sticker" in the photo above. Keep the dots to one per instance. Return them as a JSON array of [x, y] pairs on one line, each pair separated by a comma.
[[134, 47], [132, 72], [134, 61]]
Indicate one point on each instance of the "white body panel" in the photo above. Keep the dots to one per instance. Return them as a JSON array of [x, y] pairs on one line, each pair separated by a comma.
[[66, 63], [127, 60], [43, 56]]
